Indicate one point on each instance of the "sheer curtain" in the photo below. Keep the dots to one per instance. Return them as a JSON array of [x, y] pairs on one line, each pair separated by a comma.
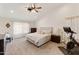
[[20, 28]]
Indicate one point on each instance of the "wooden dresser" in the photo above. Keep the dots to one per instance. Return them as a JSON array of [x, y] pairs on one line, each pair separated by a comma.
[[1, 44]]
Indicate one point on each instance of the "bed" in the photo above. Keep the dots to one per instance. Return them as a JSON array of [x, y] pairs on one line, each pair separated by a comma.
[[40, 37]]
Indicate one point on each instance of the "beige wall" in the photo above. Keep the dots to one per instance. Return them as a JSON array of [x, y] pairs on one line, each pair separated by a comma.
[[58, 20], [3, 28], [4, 21]]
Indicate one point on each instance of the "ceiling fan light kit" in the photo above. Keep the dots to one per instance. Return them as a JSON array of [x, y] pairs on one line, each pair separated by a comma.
[[33, 7]]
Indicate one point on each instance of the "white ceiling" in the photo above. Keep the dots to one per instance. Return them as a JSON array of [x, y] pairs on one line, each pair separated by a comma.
[[20, 14]]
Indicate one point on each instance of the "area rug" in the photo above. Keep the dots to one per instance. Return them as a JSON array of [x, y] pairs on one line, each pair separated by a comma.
[[74, 51], [63, 50]]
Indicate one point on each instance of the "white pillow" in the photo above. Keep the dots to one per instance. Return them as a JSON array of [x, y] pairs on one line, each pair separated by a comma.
[[44, 30]]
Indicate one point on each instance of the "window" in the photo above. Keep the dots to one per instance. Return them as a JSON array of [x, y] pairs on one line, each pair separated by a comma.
[[20, 28]]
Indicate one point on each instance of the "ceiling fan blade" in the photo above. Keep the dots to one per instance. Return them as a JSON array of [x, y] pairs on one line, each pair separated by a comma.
[[39, 8], [34, 5], [36, 10]]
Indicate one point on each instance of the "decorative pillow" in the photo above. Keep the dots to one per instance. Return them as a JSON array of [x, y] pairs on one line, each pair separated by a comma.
[[44, 30]]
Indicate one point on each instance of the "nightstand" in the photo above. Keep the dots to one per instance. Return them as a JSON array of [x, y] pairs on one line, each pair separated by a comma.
[[33, 30], [55, 38]]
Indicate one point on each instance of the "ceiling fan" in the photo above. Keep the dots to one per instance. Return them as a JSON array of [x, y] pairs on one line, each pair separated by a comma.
[[33, 7]]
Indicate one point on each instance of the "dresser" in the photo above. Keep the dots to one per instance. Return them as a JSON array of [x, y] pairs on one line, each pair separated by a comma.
[[1, 44]]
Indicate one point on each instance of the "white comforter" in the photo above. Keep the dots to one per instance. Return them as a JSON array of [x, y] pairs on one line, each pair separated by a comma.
[[38, 39]]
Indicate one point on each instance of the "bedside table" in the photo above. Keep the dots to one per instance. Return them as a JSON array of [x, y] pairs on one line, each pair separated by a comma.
[[55, 38]]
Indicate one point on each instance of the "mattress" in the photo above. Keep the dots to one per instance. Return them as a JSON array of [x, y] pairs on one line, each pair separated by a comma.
[[38, 39], [36, 36]]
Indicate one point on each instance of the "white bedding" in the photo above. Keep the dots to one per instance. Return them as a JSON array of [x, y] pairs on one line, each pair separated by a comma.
[[38, 39]]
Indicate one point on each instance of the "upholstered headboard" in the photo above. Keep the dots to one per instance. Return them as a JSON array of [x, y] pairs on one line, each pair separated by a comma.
[[46, 30]]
